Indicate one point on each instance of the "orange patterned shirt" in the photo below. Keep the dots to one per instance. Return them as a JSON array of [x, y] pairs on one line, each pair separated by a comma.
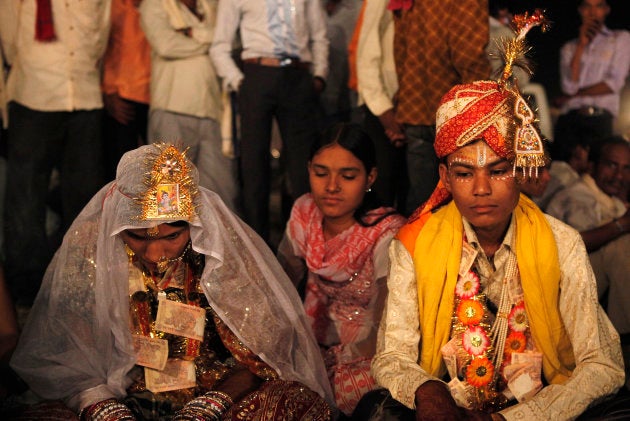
[[437, 44], [127, 61]]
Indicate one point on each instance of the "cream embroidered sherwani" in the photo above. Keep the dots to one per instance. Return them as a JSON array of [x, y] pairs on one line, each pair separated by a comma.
[[599, 366]]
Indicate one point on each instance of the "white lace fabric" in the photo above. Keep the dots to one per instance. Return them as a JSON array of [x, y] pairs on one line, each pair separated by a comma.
[[76, 345]]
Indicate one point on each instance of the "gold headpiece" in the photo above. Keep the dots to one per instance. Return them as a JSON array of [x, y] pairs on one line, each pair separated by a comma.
[[529, 152], [170, 190]]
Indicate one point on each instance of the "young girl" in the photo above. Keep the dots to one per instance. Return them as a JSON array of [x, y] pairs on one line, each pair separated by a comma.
[[337, 236]]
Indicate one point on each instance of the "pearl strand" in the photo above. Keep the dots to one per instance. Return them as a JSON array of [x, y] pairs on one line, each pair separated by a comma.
[[499, 330]]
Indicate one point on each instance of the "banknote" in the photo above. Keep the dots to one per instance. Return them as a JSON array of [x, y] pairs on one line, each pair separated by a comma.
[[449, 353], [523, 374], [180, 319], [468, 257], [461, 393], [177, 374], [150, 352]]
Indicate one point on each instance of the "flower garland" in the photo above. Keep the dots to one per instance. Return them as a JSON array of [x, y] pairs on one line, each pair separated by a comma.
[[481, 345]]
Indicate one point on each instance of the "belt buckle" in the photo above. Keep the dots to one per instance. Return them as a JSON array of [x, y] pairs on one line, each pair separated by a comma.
[[592, 111], [286, 61]]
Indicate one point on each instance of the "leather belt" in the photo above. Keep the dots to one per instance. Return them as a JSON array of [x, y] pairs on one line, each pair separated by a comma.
[[591, 111], [278, 62]]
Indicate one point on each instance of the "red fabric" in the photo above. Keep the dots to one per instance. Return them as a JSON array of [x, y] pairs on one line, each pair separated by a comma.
[[280, 400], [399, 4], [486, 111], [339, 301], [340, 257], [44, 27], [352, 51], [350, 382]]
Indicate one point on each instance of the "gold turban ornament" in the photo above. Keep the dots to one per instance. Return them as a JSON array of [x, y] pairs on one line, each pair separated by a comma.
[[529, 151]]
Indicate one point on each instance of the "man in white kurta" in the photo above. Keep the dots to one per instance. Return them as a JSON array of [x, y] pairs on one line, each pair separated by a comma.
[[595, 342], [53, 49], [592, 207], [492, 310], [185, 90]]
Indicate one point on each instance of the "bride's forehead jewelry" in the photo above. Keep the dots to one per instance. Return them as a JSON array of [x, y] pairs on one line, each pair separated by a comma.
[[153, 232], [170, 190]]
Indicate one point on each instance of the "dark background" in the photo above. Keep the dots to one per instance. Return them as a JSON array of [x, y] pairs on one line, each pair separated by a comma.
[[565, 21]]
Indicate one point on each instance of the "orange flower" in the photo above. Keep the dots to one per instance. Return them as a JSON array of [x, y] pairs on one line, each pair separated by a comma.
[[515, 342], [479, 372], [469, 312]]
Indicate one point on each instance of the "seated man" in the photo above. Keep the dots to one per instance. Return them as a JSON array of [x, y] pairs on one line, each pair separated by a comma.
[[184, 314], [492, 310], [593, 204], [593, 207]]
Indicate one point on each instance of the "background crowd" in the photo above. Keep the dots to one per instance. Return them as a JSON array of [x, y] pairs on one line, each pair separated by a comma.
[[257, 96]]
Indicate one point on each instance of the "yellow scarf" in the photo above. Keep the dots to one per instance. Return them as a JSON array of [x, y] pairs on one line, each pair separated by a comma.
[[436, 255]]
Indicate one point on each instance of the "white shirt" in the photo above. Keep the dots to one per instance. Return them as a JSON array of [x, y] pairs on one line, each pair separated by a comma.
[[270, 29], [183, 79], [376, 68], [606, 59], [59, 75], [585, 206]]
